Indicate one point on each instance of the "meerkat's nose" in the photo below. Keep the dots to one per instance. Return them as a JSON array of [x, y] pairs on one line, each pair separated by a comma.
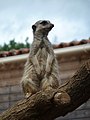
[[52, 25]]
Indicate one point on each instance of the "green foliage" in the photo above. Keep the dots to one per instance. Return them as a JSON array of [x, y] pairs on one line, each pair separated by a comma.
[[27, 43], [5, 47], [14, 45]]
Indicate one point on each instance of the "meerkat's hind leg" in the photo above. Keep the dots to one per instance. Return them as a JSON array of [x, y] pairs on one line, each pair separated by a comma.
[[26, 90], [49, 83], [29, 87], [45, 85], [53, 81], [27, 93]]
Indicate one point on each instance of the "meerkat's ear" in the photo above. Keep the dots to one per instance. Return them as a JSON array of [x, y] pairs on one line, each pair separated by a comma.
[[34, 27]]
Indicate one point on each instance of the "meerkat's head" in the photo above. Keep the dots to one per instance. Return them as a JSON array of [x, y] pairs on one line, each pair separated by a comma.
[[42, 27]]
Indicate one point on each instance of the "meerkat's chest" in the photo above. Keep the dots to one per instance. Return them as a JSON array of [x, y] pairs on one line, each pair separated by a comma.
[[42, 59], [42, 55]]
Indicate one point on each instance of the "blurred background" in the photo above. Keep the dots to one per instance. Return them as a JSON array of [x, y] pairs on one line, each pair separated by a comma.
[[70, 17]]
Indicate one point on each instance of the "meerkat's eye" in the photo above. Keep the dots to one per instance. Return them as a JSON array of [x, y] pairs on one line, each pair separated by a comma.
[[44, 22]]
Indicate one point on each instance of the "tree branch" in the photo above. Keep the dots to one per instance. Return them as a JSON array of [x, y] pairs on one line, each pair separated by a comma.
[[51, 104]]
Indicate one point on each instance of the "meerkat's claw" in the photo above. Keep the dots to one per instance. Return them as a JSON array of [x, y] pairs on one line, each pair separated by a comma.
[[28, 95]]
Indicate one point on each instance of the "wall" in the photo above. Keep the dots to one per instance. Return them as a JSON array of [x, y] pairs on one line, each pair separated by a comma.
[[11, 92]]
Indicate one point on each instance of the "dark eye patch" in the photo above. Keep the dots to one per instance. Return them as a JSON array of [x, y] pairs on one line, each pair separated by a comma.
[[44, 22], [34, 28]]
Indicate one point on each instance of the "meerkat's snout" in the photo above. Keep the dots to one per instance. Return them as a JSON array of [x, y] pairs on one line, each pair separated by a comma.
[[51, 26]]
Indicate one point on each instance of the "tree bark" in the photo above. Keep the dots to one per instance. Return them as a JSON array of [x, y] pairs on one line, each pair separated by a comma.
[[50, 104]]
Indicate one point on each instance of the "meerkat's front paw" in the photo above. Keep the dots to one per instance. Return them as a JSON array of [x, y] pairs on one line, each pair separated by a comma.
[[48, 69], [38, 71]]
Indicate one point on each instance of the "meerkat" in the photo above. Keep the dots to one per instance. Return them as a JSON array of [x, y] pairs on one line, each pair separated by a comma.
[[41, 69]]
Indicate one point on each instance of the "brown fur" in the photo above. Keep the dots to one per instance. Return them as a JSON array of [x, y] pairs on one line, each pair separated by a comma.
[[41, 69]]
